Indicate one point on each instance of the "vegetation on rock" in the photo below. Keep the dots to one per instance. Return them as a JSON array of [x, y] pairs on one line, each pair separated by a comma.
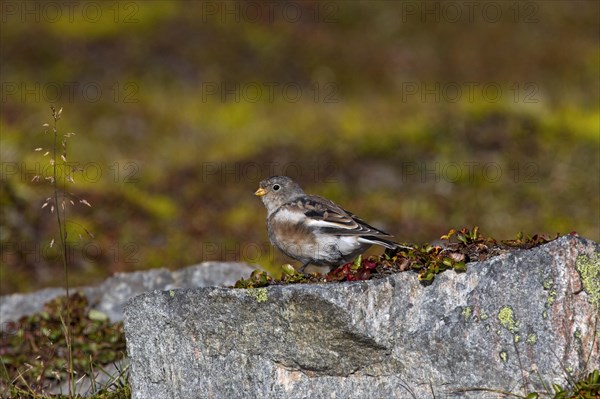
[[34, 353], [459, 247]]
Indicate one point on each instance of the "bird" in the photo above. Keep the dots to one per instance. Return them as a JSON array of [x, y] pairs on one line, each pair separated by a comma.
[[314, 230]]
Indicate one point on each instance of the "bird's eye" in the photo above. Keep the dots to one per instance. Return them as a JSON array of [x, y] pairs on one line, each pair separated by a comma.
[[276, 187]]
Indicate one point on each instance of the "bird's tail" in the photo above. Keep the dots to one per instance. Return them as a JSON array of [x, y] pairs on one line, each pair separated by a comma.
[[383, 242]]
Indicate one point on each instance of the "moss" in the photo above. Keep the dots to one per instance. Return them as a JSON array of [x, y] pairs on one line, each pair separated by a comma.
[[261, 294], [503, 356], [577, 336], [551, 298], [589, 270], [507, 319], [467, 311]]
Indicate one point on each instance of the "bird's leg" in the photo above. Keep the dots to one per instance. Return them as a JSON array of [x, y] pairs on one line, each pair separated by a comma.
[[301, 270]]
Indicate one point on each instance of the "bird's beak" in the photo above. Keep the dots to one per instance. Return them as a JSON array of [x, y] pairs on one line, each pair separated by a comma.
[[260, 192]]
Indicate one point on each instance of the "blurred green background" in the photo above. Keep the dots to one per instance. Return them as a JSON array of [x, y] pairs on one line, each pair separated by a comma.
[[417, 116]]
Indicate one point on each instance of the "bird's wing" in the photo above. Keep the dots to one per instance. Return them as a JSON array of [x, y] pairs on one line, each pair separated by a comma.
[[331, 219]]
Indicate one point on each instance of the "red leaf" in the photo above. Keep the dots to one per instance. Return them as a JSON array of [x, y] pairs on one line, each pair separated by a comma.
[[369, 265]]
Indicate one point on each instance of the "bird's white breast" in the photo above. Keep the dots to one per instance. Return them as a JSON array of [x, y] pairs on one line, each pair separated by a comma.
[[289, 216]]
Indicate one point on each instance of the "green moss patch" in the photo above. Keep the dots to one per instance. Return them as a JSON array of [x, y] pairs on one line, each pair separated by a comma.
[[589, 270], [260, 294]]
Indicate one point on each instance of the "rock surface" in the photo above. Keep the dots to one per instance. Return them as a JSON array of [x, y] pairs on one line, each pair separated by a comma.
[[110, 296], [508, 323]]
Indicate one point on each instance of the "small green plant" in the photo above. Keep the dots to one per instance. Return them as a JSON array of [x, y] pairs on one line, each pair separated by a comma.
[[586, 388], [58, 205], [258, 278]]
